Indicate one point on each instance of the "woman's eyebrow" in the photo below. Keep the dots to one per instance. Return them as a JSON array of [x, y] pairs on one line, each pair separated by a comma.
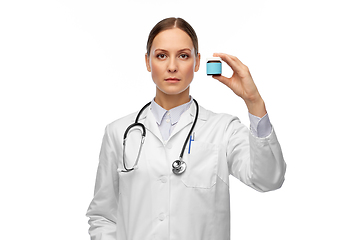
[[163, 50], [160, 50], [184, 49]]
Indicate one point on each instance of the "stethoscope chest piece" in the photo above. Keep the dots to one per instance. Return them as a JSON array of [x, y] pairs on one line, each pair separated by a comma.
[[179, 167]]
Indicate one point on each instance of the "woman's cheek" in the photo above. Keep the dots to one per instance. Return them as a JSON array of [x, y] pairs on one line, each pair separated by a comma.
[[190, 70], [155, 71]]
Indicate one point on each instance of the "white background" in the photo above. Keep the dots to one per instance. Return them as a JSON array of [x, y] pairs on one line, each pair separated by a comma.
[[68, 68]]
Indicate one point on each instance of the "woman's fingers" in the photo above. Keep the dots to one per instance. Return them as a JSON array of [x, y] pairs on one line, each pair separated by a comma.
[[235, 64], [241, 81], [222, 79], [231, 62]]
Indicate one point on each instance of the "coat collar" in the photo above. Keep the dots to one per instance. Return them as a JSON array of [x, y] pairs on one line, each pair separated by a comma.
[[148, 119]]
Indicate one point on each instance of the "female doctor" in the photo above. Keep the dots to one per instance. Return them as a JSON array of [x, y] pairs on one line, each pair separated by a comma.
[[170, 178]]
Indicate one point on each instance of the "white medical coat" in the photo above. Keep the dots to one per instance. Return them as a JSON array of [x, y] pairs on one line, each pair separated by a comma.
[[152, 203]]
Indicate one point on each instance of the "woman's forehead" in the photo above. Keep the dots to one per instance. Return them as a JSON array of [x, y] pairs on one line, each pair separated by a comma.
[[172, 40]]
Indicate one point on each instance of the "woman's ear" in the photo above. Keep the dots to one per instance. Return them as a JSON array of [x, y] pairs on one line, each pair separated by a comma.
[[197, 64], [147, 61]]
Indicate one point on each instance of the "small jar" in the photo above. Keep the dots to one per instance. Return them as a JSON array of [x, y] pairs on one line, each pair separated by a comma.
[[213, 66]]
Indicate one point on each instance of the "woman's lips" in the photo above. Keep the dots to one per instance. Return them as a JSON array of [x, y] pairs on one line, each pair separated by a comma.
[[172, 79]]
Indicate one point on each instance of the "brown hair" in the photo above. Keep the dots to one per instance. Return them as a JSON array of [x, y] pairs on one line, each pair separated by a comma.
[[169, 23]]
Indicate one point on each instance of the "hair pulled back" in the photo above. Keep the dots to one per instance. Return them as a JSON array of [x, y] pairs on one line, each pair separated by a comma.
[[169, 23]]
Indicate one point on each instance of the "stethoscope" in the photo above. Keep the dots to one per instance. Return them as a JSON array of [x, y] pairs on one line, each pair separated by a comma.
[[178, 166]]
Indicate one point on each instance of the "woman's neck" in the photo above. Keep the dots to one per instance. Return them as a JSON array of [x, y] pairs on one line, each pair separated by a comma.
[[168, 102]]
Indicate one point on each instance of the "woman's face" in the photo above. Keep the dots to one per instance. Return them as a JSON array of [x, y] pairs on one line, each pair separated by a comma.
[[172, 61]]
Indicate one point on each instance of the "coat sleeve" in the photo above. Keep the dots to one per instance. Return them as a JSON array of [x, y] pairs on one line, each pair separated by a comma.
[[103, 208], [257, 162]]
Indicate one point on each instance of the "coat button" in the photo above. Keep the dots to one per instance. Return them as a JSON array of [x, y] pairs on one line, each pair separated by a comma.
[[162, 217]]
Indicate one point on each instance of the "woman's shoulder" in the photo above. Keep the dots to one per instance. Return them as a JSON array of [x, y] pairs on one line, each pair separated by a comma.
[[217, 117], [123, 121], [222, 123]]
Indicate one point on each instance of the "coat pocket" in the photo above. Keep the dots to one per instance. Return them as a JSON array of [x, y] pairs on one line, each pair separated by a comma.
[[202, 165]]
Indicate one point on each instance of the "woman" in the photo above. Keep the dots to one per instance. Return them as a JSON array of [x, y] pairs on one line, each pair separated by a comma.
[[151, 196]]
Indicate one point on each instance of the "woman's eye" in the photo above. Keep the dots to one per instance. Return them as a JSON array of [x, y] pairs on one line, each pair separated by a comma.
[[184, 56], [161, 56]]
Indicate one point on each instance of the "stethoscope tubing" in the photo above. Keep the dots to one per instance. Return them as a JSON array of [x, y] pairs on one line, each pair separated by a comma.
[[136, 123], [191, 130]]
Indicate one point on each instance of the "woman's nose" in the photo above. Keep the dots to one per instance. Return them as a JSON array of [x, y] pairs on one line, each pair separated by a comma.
[[172, 67]]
